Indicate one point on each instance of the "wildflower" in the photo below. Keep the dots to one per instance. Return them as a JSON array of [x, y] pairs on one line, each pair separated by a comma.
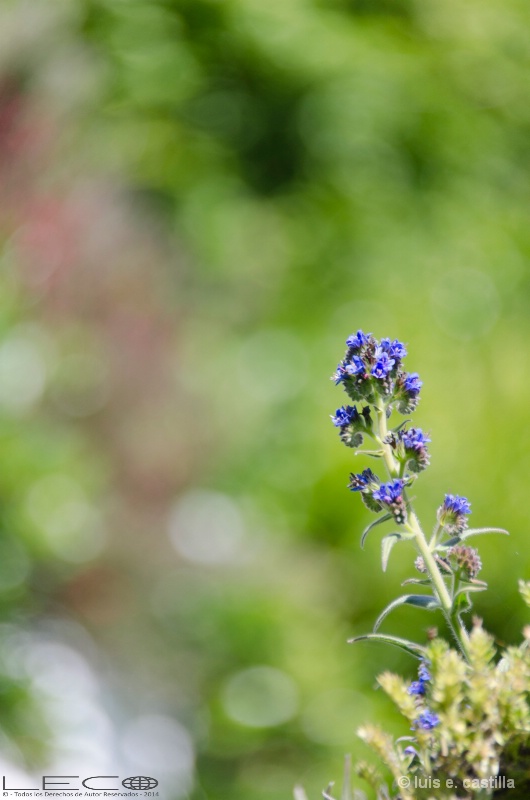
[[390, 496], [344, 416], [352, 424], [410, 448], [452, 514], [357, 340], [465, 558], [412, 384], [366, 481], [383, 365], [395, 349], [407, 391], [355, 366], [419, 687], [427, 720], [391, 492], [414, 439], [353, 374]]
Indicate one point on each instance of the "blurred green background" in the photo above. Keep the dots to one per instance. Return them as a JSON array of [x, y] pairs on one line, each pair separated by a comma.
[[199, 201]]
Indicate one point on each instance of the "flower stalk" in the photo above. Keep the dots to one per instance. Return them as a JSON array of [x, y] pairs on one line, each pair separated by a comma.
[[413, 526], [372, 372]]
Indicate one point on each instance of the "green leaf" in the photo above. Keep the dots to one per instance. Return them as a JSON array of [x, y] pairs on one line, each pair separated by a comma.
[[475, 586], [449, 543], [469, 532], [401, 424], [417, 581], [410, 647], [479, 531], [426, 601], [387, 543], [378, 521], [370, 503]]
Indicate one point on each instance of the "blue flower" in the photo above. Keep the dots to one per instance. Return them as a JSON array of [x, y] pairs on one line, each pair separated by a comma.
[[412, 384], [340, 373], [455, 504], [389, 493], [414, 439], [345, 415], [395, 349], [390, 496], [452, 514], [355, 366], [362, 482], [357, 340], [406, 392], [419, 687], [427, 720], [383, 364], [346, 369], [410, 751]]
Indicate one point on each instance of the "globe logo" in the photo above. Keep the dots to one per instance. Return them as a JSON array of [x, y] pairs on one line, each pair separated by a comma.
[[139, 782]]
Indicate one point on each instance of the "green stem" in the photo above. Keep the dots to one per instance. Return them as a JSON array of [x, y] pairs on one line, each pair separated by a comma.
[[434, 537], [413, 526]]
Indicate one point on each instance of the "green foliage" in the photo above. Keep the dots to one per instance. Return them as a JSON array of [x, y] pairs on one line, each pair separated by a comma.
[[308, 166], [483, 736]]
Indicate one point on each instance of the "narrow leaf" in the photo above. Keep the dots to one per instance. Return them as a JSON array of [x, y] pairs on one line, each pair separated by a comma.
[[417, 581], [426, 601], [410, 647], [478, 586], [448, 543], [469, 532], [378, 521], [387, 543], [398, 427], [478, 531]]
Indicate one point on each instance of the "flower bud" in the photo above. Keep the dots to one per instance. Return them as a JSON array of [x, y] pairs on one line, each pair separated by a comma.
[[466, 559], [410, 448], [366, 483], [407, 391], [452, 514], [427, 720], [352, 424], [390, 496]]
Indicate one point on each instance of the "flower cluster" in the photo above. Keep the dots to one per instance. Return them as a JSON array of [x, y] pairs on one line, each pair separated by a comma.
[[427, 720], [372, 369], [410, 448], [379, 496], [466, 559], [352, 424], [453, 513], [450, 701], [419, 687]]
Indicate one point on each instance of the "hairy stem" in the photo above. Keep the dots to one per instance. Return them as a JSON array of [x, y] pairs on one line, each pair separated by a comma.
[[413, 526]]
